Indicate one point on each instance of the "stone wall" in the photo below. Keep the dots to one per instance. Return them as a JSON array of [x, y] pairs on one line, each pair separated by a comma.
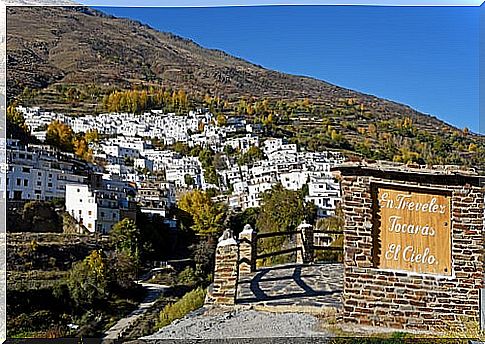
[[401, 299], [226, 272]]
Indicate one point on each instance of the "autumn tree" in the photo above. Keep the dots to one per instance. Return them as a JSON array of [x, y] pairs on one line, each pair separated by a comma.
[[91, 136], [82, 150], [15, 124], [16, 118], [207, 216], [87, 280], [60, 135], [221, 120]]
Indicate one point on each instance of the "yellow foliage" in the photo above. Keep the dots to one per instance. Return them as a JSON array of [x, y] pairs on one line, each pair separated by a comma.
[[221, 120], [91, 136], [82, 150], [472, 147], [60, 135], [207, 216]]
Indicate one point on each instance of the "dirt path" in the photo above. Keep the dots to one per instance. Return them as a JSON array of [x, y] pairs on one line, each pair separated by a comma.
[[153, 292]]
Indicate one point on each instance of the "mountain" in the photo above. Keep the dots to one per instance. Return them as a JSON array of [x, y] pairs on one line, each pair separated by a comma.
[[81, 45], [48, 46]]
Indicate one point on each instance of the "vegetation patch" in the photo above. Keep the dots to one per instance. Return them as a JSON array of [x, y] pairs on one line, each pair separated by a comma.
[[188, 303]]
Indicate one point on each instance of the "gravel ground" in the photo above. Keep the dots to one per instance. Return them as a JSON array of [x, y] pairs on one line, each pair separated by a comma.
[[207, 323]]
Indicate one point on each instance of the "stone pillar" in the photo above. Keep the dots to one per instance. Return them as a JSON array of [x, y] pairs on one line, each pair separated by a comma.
[[304, 240], [223, 291], [247, 250]]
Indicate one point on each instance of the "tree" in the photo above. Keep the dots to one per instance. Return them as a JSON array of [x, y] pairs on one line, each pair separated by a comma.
[[82, 150], [211, 176], [206, 157], [181, 148], [472, 147], [91, 136], [283, 210], [122, 271], [252, 155], [16, 117], [16, 127], [221, 120], [87, 280], [125, 236], [189, 180], [207, 216], [60, 135]]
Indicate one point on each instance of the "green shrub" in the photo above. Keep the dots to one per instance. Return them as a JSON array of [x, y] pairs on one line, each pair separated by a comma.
[[187, 277], [189, 302]]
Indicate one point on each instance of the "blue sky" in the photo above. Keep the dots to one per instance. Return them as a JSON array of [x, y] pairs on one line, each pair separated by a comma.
[[426, 57]]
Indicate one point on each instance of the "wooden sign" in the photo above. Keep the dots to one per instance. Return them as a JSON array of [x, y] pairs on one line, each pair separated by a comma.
[[414, 229]]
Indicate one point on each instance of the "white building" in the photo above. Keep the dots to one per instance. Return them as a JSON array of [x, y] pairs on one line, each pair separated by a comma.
[[155, 197], [40, 173], [325, 194], [96, 210]]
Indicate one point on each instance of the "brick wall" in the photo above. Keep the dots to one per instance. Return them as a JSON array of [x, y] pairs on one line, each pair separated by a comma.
[[406, 300]]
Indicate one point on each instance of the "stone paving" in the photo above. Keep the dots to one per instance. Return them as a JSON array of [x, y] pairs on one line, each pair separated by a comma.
[[315, 286]]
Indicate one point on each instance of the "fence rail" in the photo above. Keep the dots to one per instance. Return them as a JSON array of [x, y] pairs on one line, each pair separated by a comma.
[[277, 253], [328, 232], [275, 234], [297, 248], [328, 248]]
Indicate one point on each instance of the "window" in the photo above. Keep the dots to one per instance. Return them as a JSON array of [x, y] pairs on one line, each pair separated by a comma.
[[102, 214], [18, 181], [22, 156], [39, 174], [50, 175], [17, 195], [39, 183], [80, 211], [25, 169], [26, 182], [80, 200], [90, 225], [90, 212]]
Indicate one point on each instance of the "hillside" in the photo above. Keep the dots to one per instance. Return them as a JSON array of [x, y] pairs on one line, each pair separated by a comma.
[[49, 47], [79, 45]]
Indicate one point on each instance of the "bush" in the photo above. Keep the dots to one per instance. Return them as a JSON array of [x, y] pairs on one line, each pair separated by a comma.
[[187, 277], [188, 303]]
